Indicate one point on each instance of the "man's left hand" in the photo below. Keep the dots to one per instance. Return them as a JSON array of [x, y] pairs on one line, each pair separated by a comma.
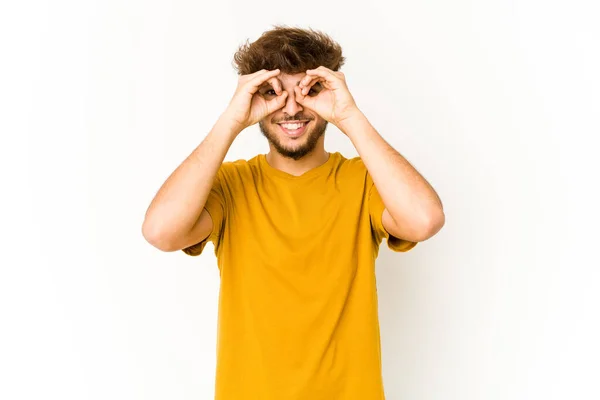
[[332, 101]]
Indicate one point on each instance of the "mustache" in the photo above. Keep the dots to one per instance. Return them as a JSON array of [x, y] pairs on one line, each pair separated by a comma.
[[297, 118]]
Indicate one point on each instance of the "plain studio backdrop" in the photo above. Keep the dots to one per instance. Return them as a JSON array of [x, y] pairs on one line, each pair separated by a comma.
[[496, 103]]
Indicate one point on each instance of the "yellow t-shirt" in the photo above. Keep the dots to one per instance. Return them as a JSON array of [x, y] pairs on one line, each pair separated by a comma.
[[298, 316]]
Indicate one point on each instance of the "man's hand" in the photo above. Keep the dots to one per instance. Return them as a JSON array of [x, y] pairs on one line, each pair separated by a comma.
[[247, 107], [333, 101]]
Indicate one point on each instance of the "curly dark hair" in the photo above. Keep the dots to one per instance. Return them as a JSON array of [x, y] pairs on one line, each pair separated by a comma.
[[292, 50]]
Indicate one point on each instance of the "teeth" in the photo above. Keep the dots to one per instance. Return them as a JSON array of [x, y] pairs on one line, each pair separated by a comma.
[[292, 126]]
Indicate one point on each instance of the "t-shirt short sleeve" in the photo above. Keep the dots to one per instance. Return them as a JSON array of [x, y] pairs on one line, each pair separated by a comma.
[[376, 208], [216, 206]]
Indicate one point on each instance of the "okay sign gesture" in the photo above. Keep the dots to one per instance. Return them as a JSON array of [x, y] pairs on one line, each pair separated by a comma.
[[332, 101]]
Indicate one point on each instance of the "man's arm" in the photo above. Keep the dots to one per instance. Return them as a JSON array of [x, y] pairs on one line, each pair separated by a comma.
[[175, 217], [413, 209], [172, 220]]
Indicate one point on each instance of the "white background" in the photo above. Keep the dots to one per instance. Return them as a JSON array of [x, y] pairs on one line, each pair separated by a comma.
[[494, 102]]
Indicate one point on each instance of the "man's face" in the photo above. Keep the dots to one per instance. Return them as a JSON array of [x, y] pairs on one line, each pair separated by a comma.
[[290, 142]]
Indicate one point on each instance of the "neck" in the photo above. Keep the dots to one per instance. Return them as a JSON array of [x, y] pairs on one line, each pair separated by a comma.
[[312, 160]]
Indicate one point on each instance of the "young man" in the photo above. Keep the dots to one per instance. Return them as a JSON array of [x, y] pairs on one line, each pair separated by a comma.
[[296, 231]]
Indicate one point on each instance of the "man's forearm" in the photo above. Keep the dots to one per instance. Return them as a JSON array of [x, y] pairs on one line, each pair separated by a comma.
[[408, 197], [178, 203]]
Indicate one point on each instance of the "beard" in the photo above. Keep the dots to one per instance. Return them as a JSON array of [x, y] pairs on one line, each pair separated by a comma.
[[301, 146]]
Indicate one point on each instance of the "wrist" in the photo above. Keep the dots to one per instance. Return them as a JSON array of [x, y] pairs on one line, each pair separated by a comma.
[[229, 125], [353, 118]]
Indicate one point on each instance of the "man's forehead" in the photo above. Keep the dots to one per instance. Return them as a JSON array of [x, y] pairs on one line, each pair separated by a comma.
[[287, 78], [295, 78], [298, 75]]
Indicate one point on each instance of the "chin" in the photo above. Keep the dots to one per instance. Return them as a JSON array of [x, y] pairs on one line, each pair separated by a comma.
[[293, 145]]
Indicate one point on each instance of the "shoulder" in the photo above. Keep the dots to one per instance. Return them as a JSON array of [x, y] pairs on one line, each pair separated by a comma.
[[353, 166], [236, 174], [232, 168]]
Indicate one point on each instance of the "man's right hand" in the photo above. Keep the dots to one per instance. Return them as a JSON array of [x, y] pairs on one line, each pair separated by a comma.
[[248, 106]]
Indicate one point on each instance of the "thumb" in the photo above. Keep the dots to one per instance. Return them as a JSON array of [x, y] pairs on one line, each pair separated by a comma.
[[278, 102]]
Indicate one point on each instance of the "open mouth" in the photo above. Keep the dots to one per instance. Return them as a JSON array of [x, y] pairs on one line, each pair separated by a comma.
[[293, 129]]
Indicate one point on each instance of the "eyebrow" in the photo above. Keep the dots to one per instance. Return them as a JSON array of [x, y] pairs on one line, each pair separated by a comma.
[[267, 85]]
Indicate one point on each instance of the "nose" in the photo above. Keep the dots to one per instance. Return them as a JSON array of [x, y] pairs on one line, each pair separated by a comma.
[[292, 107]]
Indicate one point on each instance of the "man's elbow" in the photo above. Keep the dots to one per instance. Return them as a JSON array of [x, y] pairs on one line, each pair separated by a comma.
[[434, 224], [157, 238]]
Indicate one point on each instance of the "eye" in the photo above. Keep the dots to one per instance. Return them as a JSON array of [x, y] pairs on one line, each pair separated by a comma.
[[268, 92], [271, 92], [315, 89], [311, 92]]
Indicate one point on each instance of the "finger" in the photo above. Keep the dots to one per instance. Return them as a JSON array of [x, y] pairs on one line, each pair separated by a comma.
[[323, 68], [308, 80], [306, 101], [306, 87], [276, 85], [257, 81], [305, 80], [336, 74], [248, 77], [326, 74], [276, 103], [320, 72]]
